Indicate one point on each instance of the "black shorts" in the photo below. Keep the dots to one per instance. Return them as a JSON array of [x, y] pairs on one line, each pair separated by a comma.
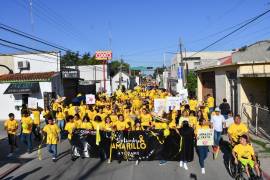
[[12, 139]]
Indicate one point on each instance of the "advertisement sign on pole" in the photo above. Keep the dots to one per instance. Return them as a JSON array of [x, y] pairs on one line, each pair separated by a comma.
[[103, 55], [90, 99], [205, 137]]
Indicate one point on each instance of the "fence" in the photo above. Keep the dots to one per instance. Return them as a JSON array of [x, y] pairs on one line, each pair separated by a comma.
[[258, 119]]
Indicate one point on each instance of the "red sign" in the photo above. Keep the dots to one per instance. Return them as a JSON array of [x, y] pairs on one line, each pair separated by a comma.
[[103, 55]]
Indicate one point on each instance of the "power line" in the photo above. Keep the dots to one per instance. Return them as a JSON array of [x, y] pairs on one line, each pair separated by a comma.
[[11, 47], [37, 39], [220, 39]]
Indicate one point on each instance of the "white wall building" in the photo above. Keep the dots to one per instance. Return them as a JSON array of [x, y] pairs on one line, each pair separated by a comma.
[[120, 77], [34, 76]]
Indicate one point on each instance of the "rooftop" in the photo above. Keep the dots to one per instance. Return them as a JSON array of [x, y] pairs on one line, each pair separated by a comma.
[[18, 77]]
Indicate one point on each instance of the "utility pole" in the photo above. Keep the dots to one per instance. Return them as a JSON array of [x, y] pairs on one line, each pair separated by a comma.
[[181, 60], [120, 75]]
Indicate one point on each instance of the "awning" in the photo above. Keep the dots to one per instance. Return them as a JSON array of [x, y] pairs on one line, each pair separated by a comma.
[[23, 88]]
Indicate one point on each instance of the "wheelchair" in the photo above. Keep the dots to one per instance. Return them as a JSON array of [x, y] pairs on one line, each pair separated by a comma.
[[238, 171]]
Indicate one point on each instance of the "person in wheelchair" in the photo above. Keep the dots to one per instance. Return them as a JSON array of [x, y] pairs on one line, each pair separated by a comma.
[[244, 153], [236, 130]]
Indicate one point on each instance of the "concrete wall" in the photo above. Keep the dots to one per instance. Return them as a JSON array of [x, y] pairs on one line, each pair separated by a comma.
[[7, 61], [259, 51], [38, 62], [221, 85]]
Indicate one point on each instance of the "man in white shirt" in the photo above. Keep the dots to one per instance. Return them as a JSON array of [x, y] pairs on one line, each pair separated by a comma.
[[217, 121]]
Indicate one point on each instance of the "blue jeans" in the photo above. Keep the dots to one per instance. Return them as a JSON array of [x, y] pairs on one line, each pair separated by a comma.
[[52, 148], [27, 139], [202, 152], [61, 124], [217, 137]]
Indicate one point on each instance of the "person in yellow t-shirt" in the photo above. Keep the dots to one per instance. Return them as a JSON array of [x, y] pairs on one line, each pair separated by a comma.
[[78, 121], [114, 117], [98, 123], [146, 118], [192, 119], [70, 127], [244, 153], [54, 105], [107, 110], [108, 124], [46, 114], [210, 103], [138, 126], [11, 126], [27, 124], [193, 103], [236, 130], [60, 118], [121, 124], [86, 124], [36, 124], [52, 132], [184, 117]]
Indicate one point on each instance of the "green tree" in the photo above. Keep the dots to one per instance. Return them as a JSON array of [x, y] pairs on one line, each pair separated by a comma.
[[115, 67], [191, 83], [70, 59], [158, 71]]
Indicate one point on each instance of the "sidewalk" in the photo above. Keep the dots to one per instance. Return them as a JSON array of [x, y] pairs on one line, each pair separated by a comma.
[[262, 148]]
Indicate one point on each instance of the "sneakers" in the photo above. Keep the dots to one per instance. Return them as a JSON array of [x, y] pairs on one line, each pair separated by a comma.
[[181, 163], [185, 166], [137, 162], [203, 171], [162, 162], [54, 159], [109, 161], [10, 155]]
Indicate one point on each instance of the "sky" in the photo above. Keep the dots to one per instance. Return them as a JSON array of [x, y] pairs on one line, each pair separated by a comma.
[[139, 31]]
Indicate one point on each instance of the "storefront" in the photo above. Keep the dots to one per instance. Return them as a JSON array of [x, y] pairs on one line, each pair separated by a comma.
[[17, 89]]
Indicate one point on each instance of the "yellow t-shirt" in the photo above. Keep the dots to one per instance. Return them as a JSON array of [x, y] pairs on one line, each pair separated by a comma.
[[36, 115], [146, 119], [100, 124], [86, 125], [91, 114], [160, 125], [11, 126], [45, 113], [121, 125], [236, 130], [114, 118], [55, 106], [27, 123], [70, 126], [108, 126], [245, 152], [60, 116], [78, 123], [193, 104], [192, 121], [52, 133], [210, 102]]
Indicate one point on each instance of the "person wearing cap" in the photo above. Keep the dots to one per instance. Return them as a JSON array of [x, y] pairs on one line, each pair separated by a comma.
[[217, 121]]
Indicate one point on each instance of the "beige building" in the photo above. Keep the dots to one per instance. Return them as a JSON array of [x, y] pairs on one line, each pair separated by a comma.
[[242, 78]]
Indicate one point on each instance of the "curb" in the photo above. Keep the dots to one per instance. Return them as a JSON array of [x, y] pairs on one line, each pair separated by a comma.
[[13, 167]]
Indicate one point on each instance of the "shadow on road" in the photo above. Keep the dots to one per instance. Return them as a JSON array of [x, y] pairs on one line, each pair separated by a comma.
[[226, 149], [24, 175], [193, 176], [91, 170]]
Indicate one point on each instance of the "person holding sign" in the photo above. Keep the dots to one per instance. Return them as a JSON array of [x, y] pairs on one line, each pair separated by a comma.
[[202, 150]]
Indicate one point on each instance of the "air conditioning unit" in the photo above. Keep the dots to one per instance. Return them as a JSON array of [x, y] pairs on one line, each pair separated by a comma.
[[23, 65]]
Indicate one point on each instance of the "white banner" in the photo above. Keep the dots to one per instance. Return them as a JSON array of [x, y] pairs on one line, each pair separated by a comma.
[[205, 137], [90, 99], [159, 105], [32, 103], [183, 94], [173, 103]]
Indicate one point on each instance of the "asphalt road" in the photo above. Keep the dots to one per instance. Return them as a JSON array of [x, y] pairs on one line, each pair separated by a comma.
[[95, 169]]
